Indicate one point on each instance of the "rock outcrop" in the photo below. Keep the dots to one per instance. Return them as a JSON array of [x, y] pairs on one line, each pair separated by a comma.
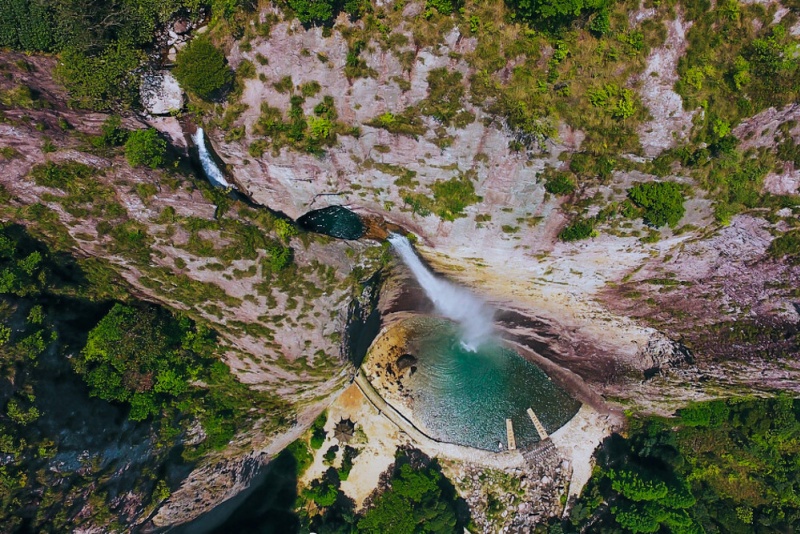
[[161, 93]]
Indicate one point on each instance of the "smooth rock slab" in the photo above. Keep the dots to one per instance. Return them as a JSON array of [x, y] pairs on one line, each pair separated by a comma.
[[161, 93]]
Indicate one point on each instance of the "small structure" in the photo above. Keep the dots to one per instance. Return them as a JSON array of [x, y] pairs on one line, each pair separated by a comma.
[[538, 424], [344, 430], [512, 442]]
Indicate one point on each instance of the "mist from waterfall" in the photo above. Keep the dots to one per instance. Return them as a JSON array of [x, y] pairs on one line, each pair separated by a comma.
[[473, 315], [213, 173]]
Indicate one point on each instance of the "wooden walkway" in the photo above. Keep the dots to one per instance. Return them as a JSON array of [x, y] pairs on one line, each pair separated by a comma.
[[538, 424], [512, 442]]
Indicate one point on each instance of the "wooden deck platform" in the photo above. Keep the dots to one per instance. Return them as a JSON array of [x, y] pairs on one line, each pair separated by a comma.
[[538, 424], [512, 442]]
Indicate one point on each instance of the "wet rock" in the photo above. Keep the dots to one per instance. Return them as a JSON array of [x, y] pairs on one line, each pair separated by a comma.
[[161, 93], [181, 26], [405, 361]]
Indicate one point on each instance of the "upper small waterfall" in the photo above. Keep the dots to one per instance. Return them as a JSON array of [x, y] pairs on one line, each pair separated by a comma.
[[456, 303], [213, 173]]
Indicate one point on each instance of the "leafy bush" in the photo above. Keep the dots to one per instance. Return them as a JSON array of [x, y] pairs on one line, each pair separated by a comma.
[[553, 13], [559, 184], [104, 81], [407, 123], [785, 245], [414, 503], [318, 431], [302, 456], [145, 147], [61, 175], [112, 133], [662, 202], [312, 11], [445, 91], [618, 102], [580, 229], [201, 68], [452, 196], [347, 462]]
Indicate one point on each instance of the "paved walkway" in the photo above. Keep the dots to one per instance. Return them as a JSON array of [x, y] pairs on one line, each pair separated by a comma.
[[430, 446]]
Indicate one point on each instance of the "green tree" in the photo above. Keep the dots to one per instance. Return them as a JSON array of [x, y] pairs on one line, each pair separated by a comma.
[[145, 147], [560, 184], [201, 68], [579, 229], [414, 503], [553, 13], [134, 355], [107, 80], [314, 11], [662, 202]]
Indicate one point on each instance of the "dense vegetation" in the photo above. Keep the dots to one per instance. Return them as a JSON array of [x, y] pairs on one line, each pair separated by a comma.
[[145, 147], [144, 360], [414, 503], [415, 497], [102, 43], [662, 202], [720, 466], [201, 68]]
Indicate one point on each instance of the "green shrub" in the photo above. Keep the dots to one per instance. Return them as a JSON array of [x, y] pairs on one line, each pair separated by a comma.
[[445, 92], [302, 456], [580, 229], [347, 462], [26, 25], [318, 433], [662, 202], [560, 184], [61, 175], [128, 357], [452, 196], [145, 147], [414, 502], [445, 7], [314, 11], [201, 68], [105, 81], [322, 492], [112, 133], [785, 245], [553, 13]]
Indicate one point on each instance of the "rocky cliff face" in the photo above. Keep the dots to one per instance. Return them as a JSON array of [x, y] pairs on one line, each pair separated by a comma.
[[281, 333], [644, 323], [618, 345]]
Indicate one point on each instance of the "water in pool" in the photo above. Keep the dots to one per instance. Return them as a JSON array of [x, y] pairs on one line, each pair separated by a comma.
[[465, 397]]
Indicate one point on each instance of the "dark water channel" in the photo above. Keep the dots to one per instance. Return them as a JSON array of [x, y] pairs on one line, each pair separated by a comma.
[[334, 221]]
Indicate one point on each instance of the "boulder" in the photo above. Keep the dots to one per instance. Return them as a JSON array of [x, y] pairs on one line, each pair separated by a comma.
[[181, 26], [161, 93]]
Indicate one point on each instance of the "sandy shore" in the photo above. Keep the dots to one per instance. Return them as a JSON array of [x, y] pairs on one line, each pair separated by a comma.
[[578, 439]]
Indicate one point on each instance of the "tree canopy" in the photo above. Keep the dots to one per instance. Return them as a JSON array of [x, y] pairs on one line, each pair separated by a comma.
[[145, 147], [554, 13], [414, 503], [201, 68], [662, 202], [719, 466]]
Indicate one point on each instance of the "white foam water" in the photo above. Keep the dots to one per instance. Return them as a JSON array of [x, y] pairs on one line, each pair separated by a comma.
[[474, 316], [213, 173]]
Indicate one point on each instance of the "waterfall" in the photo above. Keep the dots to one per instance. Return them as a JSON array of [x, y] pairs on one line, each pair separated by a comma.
[[456, 303], [213, 173]]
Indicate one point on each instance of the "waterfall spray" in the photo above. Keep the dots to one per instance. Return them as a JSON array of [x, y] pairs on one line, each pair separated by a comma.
[[213, 173], [473, 315]]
